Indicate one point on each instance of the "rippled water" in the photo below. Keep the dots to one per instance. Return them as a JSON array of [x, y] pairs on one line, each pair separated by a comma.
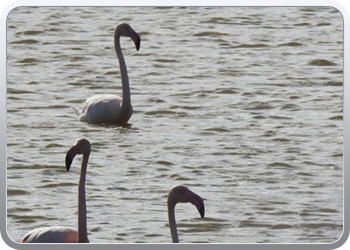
[[242, 105]]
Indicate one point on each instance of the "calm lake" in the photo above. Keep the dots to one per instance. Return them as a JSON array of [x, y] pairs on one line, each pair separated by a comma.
[[244, 106]]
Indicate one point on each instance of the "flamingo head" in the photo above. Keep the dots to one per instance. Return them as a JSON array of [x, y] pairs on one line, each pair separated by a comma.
[[124, 29], [183, 194], [81, 146]]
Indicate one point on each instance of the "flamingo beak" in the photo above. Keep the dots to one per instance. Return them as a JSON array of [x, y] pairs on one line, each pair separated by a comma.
[[197, 201], [69, 161], [135, 37], [201, 210], [72, 152], [137, 41]]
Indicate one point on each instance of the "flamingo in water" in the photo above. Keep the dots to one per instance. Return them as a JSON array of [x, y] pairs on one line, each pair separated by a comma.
[[112, 109], [68, 234], [181, 194]]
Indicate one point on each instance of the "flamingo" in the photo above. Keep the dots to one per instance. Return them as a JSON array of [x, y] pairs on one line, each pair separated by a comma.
[[181, 194], [59, 234], [112, 109]]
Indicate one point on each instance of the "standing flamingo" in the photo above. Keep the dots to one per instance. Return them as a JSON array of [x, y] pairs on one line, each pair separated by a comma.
[[68, 234], [112, 109], [181, 194]]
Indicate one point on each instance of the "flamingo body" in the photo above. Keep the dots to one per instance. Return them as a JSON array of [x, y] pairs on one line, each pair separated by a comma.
[[103, 109], [51, 235], [111, 109]]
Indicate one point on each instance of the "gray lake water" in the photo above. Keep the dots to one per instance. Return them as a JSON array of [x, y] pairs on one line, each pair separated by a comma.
[[242, 105]]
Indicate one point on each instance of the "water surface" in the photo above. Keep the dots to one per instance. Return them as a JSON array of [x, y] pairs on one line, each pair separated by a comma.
[[242, 105]]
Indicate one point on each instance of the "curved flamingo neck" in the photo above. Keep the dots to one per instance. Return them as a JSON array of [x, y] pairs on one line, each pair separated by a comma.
[[126, 101], [172, 223], [82, 226]]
